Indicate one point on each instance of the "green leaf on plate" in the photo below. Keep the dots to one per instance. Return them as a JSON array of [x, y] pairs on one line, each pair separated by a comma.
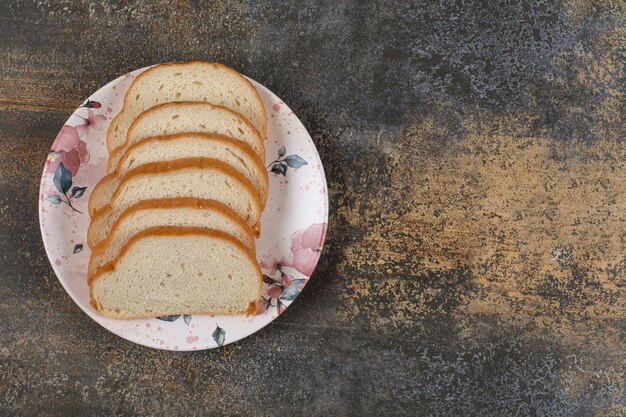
[[168, 318], [295, 161], [54, 199], [290, 293], [78, 191], [219, 335], [62, 178], [279, 169]]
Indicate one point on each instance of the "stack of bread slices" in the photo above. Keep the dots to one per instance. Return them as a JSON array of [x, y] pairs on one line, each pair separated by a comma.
[[174, 220]]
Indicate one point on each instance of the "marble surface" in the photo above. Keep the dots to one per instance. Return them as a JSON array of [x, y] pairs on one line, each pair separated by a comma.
[[475, 157]]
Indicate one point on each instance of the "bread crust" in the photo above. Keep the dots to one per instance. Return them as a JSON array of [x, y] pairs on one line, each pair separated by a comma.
[[170, 203], [244, 147], [262, 133], [182, 164], [178, 231], [122, 149]]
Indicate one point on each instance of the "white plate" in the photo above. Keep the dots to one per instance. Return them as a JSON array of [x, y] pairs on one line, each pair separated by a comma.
[[293, 232]]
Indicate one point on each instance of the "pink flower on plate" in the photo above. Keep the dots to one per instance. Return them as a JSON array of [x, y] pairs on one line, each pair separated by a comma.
[[270, 264], [93, 120], [274, 291], [69, 149], [263, 304], [286, 280], [306, 246]]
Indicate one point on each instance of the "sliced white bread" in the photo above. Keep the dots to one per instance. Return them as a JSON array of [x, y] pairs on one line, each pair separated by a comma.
[[187, 81], [180, 146], [172, 118], [201, 178], [188, 212], [178, 270]]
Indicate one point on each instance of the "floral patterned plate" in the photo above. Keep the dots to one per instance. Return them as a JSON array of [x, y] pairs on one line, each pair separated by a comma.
[[294, 221]]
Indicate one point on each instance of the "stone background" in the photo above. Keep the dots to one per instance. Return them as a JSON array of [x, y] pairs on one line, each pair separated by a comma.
[[475, 262]]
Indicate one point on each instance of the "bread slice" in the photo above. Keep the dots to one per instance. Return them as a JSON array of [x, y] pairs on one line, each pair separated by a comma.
[[178, 270], [190, 212], [187, 81], [171, 118], [183, 145], [202, 178]]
